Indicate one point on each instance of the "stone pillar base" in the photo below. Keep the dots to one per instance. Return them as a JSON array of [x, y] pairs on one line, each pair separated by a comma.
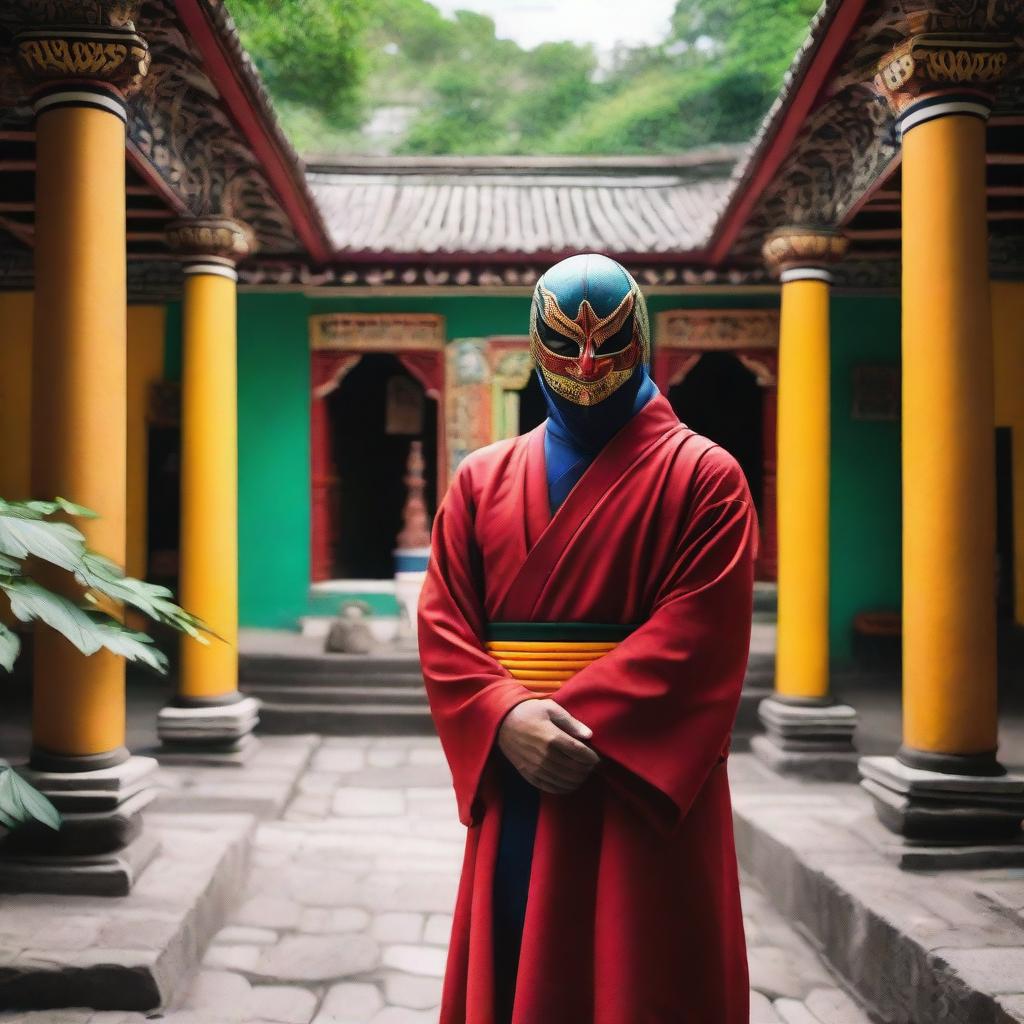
[[100, 847], [936, 807], [809, 739], [213, 734]]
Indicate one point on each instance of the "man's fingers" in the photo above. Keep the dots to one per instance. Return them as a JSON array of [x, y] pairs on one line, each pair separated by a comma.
[[564, 744], [573, 726]]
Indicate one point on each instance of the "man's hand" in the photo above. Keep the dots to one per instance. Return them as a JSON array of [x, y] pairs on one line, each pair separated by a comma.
[[542, 741]]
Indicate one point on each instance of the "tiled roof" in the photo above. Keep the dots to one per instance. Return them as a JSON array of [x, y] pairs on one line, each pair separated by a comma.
[[519, 206]]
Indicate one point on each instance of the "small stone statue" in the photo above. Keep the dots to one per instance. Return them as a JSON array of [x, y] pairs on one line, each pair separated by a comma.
[[350, 632]]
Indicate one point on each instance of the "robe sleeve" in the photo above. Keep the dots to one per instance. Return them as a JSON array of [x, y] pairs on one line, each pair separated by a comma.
[[662, 703], [468, 691]]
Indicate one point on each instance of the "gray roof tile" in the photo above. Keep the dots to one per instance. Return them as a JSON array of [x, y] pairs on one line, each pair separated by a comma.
[[521, 206]]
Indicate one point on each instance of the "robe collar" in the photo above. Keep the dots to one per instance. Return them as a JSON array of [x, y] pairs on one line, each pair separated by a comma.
[[547, 534]]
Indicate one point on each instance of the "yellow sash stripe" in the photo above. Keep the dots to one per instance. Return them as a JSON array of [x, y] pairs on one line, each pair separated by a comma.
[[543, 666]]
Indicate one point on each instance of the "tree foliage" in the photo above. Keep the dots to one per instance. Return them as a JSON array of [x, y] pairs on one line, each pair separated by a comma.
[[398, 76]]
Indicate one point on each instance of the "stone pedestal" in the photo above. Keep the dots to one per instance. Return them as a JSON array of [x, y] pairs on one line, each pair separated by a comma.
[[100, 848], [809, 738], [193, 732], [948, 811]]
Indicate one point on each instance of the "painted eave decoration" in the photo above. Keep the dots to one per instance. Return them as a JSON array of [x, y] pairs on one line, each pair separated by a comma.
[[203, 140]]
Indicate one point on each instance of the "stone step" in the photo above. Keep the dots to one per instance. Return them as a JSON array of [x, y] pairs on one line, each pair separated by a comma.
[[346, 719], [145, 945], [283, 693], [829, 866]]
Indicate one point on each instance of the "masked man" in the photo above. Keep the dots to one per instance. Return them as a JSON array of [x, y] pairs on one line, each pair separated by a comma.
[[584, 630]]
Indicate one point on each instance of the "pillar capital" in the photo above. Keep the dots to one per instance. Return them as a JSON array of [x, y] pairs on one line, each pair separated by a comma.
[[796, 253], [210, 245], [933, 74], [82, 52]]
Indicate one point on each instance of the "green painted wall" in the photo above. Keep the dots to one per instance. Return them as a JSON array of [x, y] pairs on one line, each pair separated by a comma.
[[273, 412], [865, 491]]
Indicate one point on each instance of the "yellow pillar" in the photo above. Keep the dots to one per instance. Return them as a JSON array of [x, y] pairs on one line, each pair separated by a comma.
[[950, 724], [949, 638], [801, 256], [806, 729], [802, 652], [78, 399], [209, 503], [208, 676]]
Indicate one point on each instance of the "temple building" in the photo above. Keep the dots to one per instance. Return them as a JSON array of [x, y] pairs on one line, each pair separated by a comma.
[[185, 306]]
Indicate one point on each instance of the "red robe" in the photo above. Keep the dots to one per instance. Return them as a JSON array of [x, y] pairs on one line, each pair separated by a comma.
[[634, 913]]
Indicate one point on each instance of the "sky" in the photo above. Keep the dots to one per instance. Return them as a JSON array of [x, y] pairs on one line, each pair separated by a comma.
[[600, 22]]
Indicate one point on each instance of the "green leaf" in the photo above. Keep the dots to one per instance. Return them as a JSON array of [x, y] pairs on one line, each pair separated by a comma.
[[10, 645], [131, 644], [25, 532], [58, 543], [30, 601], [75, 510], [105, 576], [23, 802]]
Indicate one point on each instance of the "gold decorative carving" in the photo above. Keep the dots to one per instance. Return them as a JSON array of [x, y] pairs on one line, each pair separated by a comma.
[[714, 329], [118, 56], [803, 247], [217, 237], [375, 332], [932, 62]]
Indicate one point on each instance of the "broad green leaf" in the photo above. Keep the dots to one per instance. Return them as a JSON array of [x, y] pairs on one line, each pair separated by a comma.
[[58, 543], [88, 631], [24, 802], [105, 576], [131, 644], [10, 645], [30, 601]]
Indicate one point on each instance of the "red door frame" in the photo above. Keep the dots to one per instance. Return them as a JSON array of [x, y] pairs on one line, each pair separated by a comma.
[[327, 369], [671, 365]]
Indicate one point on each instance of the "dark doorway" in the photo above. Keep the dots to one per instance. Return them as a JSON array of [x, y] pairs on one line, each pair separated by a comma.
[[720, 398], [532, 409], [163, 491], [376, 412], [1004, 521]]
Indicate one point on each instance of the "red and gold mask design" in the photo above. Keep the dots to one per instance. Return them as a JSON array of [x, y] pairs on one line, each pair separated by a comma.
[[586, 357]]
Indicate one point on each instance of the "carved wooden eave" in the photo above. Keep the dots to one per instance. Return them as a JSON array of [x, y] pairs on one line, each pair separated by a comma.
[[836, 164], [202, 141]]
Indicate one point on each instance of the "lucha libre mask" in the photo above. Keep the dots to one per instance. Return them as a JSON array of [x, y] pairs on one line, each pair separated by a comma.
[[588, 328]]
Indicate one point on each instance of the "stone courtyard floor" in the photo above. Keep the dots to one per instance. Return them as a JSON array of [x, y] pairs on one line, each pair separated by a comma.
[[346, 914]]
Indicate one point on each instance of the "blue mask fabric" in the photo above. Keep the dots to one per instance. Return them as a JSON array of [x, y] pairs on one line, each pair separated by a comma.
[[575, 434]]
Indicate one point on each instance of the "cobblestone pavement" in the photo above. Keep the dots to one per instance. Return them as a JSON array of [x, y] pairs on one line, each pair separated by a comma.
[[347, 912]]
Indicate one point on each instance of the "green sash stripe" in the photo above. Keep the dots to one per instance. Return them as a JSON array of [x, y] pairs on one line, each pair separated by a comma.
[[558, 632]]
